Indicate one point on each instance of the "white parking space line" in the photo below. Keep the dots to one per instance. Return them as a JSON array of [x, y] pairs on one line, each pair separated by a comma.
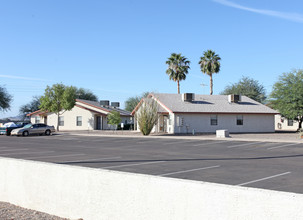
[[246, 144], [90, 160], [179, 142], [27, 152], [52, 156], [266, 178], [285, 145], [213, 142], [14, 149], [186, 171], [134, 164]]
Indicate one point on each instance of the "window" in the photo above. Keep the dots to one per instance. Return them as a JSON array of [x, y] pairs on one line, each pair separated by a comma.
[[79, 120], [37, 119], [290, 122], [61, 121], [239, 119], [213, 120]]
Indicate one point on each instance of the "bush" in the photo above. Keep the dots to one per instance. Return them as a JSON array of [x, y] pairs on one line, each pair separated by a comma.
[[147, 115]]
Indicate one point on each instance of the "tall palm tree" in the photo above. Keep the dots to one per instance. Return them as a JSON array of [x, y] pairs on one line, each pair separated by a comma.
[[177, 69], [209, 65]]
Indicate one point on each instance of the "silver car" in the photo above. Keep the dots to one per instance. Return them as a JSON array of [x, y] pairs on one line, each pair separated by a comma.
[[33, 129]]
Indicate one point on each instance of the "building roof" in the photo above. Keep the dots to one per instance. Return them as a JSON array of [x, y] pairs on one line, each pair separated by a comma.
[[210, 104], [38, 112], [102, 107], [91, 106]]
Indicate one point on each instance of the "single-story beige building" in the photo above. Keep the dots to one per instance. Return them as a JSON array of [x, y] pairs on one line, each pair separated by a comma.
[[188, 112], [284, 124], [85, 115]]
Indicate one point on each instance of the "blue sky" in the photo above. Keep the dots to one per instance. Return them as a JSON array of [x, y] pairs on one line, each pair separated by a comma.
[[118, 48]]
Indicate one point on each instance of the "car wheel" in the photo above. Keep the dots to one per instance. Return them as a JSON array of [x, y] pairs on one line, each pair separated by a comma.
[[47, 132], [25, 133]]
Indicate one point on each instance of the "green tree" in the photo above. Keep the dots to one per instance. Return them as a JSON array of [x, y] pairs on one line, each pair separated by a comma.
[[132, 102], [147, 115], [34, 105], [58, 99], [114, 118], [209, 65], [5, 99], [287, 96], [248, 87], [86, 95], [178, 67]]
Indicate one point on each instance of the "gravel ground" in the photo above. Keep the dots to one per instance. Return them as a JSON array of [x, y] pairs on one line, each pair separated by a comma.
[[12, 212]]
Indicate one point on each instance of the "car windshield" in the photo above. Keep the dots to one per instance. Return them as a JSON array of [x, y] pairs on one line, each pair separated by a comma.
[[28, 126]]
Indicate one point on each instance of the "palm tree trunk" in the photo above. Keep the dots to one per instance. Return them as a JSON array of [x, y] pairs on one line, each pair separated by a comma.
[[211, 84], [178, 87]]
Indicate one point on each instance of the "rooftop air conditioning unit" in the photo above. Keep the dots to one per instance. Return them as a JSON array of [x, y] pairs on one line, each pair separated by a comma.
[[234, 98], [104, 102], [188, 97], [115, 104]]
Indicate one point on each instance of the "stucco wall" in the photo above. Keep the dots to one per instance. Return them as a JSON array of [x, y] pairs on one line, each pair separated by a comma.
[[78, 192], [281, 124], [201, 123], [70, 119]]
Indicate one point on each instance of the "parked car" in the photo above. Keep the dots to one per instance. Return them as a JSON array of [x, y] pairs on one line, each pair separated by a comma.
[[8, 127], [30, 129]]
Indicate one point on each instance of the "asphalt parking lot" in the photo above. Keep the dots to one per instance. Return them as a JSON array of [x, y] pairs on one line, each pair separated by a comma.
[[258, 164]]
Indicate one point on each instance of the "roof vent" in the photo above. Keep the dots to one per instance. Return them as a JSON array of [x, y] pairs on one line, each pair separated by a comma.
[[115, 104], [188, 97], [104, 102], [234, 98]]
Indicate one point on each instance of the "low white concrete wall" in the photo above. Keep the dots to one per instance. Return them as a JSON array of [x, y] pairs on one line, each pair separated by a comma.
[[91, 194]]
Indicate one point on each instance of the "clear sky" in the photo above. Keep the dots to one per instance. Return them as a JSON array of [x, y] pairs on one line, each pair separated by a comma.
[[118, 48]]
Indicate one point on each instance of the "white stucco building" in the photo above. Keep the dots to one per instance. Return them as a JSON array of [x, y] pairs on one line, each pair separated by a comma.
[[86, 115], [284, 124], [183, 113]]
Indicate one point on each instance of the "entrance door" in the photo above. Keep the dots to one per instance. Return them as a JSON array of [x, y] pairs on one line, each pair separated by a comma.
[[165, 120], [45, 120], [98, 123]]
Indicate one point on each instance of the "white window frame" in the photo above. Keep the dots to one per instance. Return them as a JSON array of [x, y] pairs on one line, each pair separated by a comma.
[[79, 122], [37, 119], [239, 120], [61, 120], [214, 120]]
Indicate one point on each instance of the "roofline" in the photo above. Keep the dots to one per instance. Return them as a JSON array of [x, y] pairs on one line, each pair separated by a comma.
[[36, 112], [169, 110], [32, 113], [77, 100], [230, 113], [80, 106], [157, 100], [136, 108]]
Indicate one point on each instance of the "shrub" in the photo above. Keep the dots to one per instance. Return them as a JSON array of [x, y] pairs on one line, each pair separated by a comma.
[[147, 115]]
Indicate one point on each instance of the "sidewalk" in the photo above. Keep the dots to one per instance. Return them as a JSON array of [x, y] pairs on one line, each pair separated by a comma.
[[266, 137]]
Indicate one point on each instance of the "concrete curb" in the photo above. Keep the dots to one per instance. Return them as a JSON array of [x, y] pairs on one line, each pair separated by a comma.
[[189, 137]]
